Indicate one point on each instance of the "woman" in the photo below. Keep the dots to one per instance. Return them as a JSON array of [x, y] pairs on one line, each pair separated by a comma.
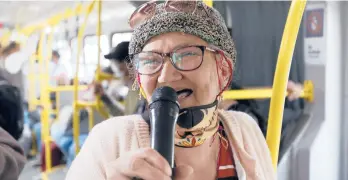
[[184, 45]]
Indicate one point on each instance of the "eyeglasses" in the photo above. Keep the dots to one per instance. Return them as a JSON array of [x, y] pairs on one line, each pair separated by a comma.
[[187, 58], [148, 9]]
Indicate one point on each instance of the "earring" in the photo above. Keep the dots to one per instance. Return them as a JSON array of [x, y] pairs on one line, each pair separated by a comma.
[[140, 95], [134, 86], [219, 98]]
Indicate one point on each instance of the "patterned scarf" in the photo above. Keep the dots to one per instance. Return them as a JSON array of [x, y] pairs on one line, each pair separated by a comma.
[[195, 136]]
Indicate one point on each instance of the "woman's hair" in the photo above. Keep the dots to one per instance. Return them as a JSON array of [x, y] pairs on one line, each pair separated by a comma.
[[8, 49], [11, 109]]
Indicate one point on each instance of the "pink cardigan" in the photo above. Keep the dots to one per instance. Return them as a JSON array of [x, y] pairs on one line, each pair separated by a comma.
[[113, 138]]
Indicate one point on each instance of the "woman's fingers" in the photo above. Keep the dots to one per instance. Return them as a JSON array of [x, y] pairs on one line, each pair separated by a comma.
[[144, 170], [144, 163], [156, 160]]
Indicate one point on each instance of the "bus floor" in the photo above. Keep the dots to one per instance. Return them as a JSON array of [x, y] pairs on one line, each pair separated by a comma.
[[32, 172]]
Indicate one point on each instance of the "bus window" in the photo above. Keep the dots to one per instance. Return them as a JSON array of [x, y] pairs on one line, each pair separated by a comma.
[[73, 46], [91, 54], [119, 37]]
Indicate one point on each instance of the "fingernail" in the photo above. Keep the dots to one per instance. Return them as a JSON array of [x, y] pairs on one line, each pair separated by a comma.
[[168, 171]]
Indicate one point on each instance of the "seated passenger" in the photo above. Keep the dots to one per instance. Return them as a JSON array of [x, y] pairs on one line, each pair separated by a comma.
[[251, 107], [11, 109], [184, 45], [12, 157]]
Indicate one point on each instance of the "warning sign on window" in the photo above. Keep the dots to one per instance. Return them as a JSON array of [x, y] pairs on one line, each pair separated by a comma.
[[315, 23]]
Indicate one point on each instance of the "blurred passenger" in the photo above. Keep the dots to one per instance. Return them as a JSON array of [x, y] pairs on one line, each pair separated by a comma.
[[26, 140], [9, 49], [14, 79], [251, 107], [184, 45], [58, 72], [58, 76], [11, 109], [120, 89], [12, 159]]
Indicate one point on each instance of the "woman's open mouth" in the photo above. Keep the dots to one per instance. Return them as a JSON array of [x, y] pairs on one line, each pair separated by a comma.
[[184, 93]]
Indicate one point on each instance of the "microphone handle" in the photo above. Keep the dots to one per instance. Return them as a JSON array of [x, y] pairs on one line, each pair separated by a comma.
[[163, 120]]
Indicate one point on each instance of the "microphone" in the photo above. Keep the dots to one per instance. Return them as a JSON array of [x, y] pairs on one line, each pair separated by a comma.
[[164, 111]]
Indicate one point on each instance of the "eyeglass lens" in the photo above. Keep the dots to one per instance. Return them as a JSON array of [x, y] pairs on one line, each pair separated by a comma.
[[184, 59]]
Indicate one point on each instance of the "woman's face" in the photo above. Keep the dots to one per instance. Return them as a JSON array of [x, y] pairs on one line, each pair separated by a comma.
[[200, 85]]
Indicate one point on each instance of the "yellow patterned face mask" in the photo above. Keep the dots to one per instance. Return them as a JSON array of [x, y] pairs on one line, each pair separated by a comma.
[[195, 125]]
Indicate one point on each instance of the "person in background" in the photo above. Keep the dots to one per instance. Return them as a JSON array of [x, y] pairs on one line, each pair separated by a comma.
[[11, 109], [58, 72], [58, 76], [121, 89], [14, 79], [12, 159], [251, 107]]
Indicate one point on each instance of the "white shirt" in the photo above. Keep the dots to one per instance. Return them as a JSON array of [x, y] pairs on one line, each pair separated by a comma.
[[56, 70]]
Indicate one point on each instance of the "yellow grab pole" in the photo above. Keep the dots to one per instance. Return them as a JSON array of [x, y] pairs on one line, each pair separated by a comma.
[[281, 77], [98, 78], [47, 103], [208, 2], [98, 35], [76, 122], [31, 80], [90, 118], [44, 98]]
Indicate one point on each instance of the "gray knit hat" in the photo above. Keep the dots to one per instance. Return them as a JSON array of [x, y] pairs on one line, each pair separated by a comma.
[[205, 22]]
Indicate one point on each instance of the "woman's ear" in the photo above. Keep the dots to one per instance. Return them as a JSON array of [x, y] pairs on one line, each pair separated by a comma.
[[224, 70]]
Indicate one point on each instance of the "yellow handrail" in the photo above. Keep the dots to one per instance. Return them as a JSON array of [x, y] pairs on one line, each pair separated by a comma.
[[76, 122], [281, 77], [208, 2], [66, 88], [52, 21], [5, 38], [264, 93]]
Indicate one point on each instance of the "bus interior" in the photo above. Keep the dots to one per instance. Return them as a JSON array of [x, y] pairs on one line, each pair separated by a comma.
[[313, 143]]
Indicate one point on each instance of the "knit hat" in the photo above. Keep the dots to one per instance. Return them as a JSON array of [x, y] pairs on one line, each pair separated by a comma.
[[205, 22]]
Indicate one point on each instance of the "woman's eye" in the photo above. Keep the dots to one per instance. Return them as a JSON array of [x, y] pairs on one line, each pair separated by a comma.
[[149, 62], [188, 54]]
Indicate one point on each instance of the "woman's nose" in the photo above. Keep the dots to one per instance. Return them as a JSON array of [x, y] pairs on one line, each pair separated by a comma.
[[169, 73]]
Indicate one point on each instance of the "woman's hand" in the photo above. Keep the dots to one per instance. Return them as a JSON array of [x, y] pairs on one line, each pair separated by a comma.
[[145, 164], [98, 89]]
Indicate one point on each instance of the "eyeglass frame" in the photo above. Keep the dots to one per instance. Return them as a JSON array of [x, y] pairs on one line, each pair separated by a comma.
[[203, 48]]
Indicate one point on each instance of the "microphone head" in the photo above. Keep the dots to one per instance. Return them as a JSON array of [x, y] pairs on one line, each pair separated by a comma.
[[164, 93]]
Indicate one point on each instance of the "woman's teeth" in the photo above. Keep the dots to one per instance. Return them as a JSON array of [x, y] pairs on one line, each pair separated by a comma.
[[184, 93]]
